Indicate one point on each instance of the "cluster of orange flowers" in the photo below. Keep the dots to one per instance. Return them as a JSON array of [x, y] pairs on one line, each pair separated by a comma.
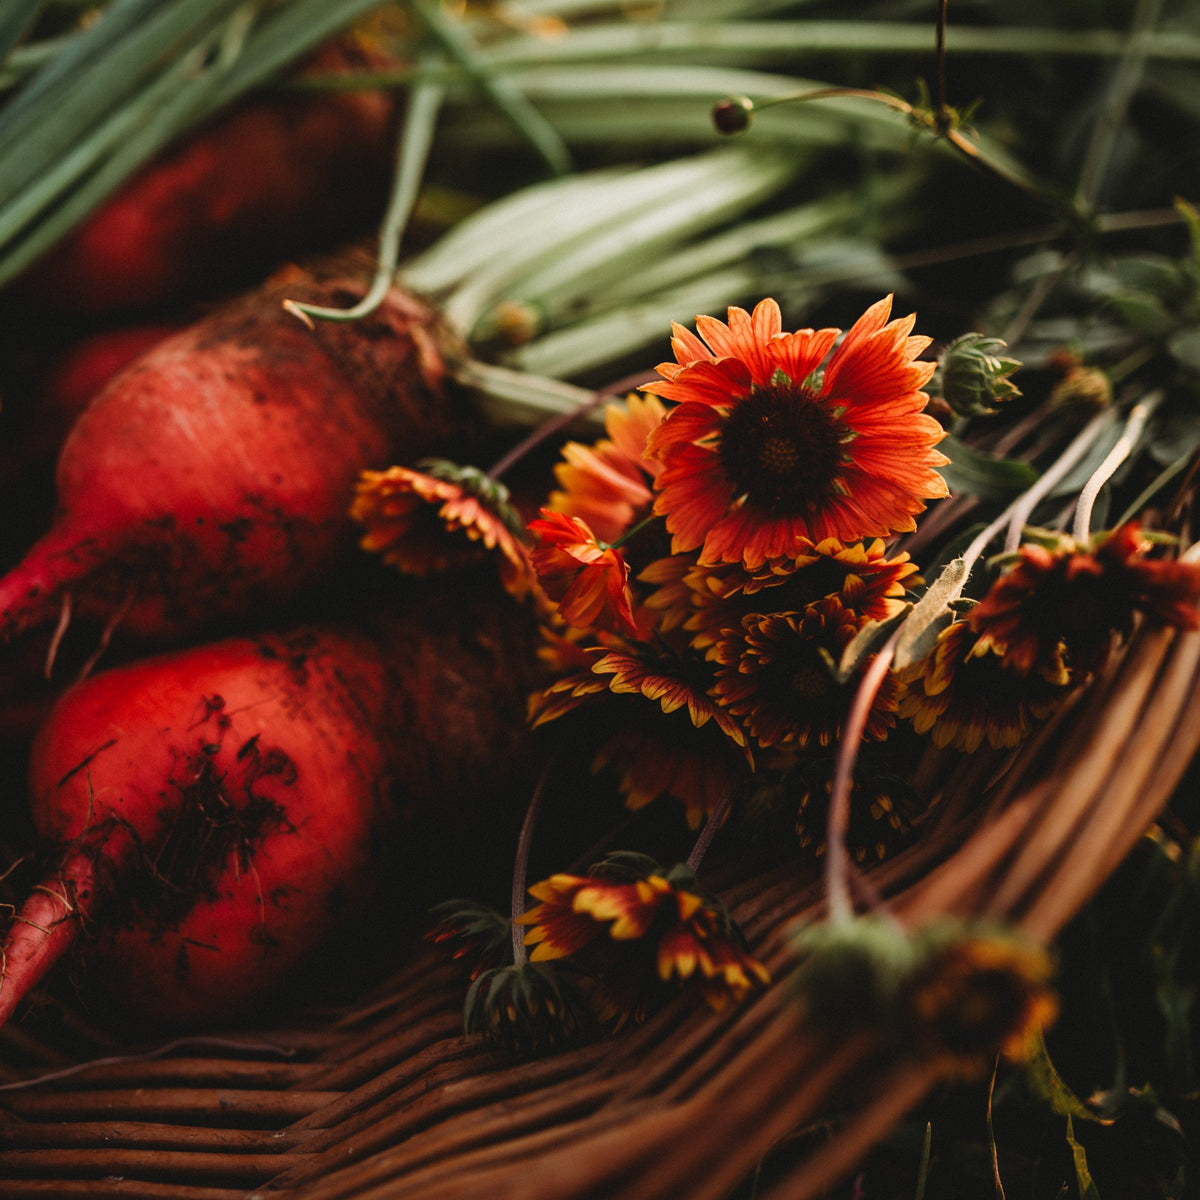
[[703, 568]]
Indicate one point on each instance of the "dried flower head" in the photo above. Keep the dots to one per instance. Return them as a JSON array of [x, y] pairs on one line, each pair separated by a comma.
[[766, 452]]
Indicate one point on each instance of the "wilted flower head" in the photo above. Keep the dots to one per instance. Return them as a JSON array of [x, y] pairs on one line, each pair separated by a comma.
[[767, 451]]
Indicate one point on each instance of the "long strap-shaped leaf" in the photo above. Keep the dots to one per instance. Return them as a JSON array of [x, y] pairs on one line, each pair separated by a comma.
[[59, 108], [15, 19]]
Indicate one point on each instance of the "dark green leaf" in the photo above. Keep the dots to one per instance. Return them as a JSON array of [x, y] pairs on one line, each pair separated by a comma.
[[1184, 345], [981, 475], [15, 20]]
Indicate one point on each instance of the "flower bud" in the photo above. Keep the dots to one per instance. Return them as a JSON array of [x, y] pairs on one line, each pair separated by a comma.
[[973, 375], [733, 115]]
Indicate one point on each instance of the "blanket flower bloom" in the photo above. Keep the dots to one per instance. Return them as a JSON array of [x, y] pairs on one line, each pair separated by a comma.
[[1081, 597], [964, 693], [608, 484], [766, 451], [442, 517], [774, 676], [637, 934], [587, 578]]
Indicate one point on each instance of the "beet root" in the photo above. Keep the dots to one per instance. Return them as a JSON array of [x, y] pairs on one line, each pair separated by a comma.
[[217, 809], [213, 816], [211, 478]]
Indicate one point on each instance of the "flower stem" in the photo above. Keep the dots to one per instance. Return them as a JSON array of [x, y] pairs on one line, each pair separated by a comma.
[[1018, 512], [943, 105], [700, 849], [521, 870], [837, 865], [1139, 414], [546, 430]]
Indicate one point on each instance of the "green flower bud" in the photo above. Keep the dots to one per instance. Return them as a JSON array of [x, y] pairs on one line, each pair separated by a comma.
[[972, 376]]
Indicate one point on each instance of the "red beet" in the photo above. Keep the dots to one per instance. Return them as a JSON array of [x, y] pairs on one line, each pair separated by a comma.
[[52, 402], [277, 177], [212, 477], [219, 810]]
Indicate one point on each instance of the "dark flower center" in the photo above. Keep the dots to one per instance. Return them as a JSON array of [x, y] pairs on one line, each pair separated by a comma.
[[783, 449], [810, 678]]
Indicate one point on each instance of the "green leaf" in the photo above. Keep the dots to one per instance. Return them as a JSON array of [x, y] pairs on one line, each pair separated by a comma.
[[15, 21], [1087, 1186], [976, 474], [1184, 346], [1047, 1084], [930, 615], [1175, 1000], [1143, 310]]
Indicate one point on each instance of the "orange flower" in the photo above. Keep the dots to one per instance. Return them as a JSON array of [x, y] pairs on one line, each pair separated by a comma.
[[636, 934], [608, 484], [764, 453], [683, 745], [1081, 597], [588, 580], [709, 599], [659, 755], [885, 811], [413, 518], [775, 676], [963, 693]]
